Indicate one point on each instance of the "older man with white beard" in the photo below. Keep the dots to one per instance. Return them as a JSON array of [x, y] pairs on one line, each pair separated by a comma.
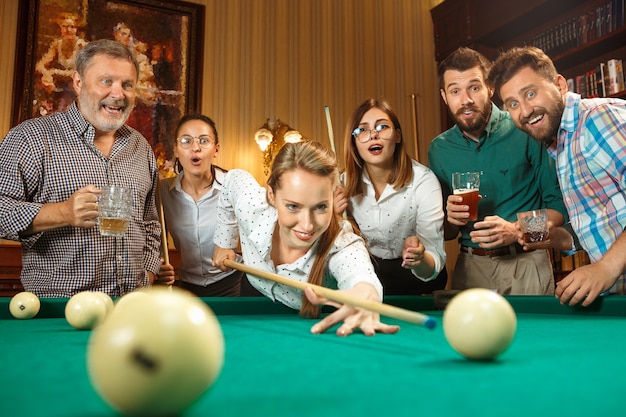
[[52, 169]]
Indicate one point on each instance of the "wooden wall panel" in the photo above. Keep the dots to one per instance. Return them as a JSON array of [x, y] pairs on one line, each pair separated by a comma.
[[288, 59]]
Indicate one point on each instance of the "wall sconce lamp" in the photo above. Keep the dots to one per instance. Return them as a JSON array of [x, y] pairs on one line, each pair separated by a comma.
[[271, 137]]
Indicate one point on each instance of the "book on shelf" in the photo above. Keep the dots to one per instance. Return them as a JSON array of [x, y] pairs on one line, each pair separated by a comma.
[[616, 76], [600, 19], [604, 80]]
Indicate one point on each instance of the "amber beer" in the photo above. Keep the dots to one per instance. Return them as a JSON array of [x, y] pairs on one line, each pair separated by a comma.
[[115, 207], [470, 198], [110, 226]]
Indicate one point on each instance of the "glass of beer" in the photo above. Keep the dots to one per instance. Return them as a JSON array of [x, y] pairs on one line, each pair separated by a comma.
[[115, 207], [534, 225], [466, 185]]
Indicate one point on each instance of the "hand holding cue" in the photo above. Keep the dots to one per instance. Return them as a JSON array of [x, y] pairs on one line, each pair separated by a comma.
[[335, 295]]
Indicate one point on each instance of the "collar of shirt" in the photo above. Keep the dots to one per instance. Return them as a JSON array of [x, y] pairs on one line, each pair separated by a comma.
[[369, 187], [494, 122], [569, 121], [215, 187]]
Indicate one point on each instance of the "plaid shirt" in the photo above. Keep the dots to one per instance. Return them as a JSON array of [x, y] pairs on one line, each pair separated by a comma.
[[590, 156], [47, 159]]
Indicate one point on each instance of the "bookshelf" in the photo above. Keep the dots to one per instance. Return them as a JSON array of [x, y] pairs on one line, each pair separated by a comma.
[[579, 35], [576, 34]]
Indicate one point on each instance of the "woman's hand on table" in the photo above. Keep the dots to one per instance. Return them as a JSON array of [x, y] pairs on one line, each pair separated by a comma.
[[353, 318]]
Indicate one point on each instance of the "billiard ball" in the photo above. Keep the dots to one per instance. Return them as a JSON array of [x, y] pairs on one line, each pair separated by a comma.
[[129, 297], [107, 300], [479, 324], [85, 310], [156, 355], [24, 305]]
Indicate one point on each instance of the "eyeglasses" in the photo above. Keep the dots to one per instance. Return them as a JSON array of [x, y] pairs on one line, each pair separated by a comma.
[[363, 134], [204, 141]]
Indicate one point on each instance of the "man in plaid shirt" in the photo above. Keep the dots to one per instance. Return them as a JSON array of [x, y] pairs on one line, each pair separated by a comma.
[[51, 172], [587, 139]]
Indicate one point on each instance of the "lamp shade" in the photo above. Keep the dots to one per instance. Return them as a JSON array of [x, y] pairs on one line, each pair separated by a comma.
[[263, 137], [292, 136]]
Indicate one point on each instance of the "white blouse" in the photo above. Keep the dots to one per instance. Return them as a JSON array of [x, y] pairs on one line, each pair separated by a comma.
[[244, 212], [413, 210], [192, 225]]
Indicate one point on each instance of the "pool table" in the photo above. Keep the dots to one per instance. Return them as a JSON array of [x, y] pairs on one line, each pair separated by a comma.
[[563, 361]]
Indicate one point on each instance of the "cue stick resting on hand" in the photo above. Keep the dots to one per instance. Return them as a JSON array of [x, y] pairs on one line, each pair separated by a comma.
[[335, 295]]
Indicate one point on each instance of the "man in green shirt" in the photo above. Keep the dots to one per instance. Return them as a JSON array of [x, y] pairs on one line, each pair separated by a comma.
[[516, 176]]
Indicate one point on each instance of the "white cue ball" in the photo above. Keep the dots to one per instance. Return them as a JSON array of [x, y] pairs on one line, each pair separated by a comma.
[[85, 310], [156, 355], [107, 300], [479, 324], [24, 305]]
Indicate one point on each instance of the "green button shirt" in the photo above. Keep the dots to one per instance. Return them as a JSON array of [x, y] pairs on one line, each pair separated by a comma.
[[517, 174]]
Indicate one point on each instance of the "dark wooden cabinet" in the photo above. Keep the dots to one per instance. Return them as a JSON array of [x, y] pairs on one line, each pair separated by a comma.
[[583, 33], [11, 266]]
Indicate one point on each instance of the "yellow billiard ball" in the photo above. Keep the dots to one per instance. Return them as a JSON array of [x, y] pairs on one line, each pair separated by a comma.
[[479, 324], [85, 310], [156, 355], [24, 305]]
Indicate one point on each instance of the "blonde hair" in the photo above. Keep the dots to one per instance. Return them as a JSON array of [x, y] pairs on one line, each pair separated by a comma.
[[317, 159]]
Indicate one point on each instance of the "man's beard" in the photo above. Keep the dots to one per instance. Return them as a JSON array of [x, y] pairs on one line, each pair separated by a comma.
[[553, 113], [92, 110], [477, 124]]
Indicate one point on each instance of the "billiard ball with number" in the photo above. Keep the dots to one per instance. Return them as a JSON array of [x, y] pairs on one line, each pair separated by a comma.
[[156, 355], [85, 310], [479, 324], [24, 305]]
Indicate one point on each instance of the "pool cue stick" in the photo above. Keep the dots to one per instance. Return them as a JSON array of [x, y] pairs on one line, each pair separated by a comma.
[[331, 137], [164, 249], [417, 144], [329, 125], [335, 295]]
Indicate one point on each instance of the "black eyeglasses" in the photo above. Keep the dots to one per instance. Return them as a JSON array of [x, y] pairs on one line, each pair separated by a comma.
[[363, 134], [204, 141]]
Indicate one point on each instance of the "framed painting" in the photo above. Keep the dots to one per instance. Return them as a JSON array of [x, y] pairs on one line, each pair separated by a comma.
[[165, 35]]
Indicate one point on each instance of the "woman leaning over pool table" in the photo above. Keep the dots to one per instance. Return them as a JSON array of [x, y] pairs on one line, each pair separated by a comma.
[[289, 227]]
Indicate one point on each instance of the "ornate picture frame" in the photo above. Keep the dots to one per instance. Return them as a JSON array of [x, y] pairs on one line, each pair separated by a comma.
[[166, 36]]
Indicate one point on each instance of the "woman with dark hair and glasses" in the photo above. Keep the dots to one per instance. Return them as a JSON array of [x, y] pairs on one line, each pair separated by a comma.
[[395, 201], [190, 209]]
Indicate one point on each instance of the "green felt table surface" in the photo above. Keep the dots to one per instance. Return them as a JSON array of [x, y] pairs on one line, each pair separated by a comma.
[[563, 362]]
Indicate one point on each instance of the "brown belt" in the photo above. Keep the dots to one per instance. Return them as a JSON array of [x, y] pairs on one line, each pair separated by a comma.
[[511, 250]]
